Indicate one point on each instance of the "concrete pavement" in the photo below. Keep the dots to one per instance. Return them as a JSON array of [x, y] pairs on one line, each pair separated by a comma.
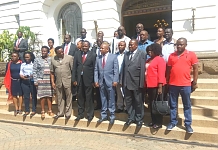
[[17, 136]]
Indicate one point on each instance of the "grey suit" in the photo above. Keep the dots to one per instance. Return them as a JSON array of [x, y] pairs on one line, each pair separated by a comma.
[[62, 70], [105, 77], [132, 78], [23, 46]]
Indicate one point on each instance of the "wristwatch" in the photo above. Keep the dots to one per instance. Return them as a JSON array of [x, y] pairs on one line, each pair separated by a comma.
[[194, 83]]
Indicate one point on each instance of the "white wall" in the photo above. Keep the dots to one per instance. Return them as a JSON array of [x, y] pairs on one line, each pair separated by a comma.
[[203, 38], [8, 10], [51, 10], [104, 12]]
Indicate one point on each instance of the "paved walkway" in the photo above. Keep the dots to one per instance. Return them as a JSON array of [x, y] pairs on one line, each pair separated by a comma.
[[28, 137]]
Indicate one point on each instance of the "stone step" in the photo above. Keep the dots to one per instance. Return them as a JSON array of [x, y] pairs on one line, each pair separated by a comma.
[[2, 92], [201, 121], [201, 110], [196, 100], [207, 86], [3, 87], [207, 83], [201, 134], [197, 109], [205, 92], [199, 100]]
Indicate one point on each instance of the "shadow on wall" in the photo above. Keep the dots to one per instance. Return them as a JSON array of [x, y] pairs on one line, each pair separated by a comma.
[[188, 26]]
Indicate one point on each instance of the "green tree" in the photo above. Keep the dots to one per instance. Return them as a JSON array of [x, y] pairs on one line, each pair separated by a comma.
[[27, 33], [6, 43]]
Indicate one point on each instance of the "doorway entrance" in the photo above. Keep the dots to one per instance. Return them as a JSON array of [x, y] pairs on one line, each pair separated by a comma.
[[70, 21], [151, 13]]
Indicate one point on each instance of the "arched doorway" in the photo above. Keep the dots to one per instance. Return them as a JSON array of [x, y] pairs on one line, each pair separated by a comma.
[[147, 12], [70, 21]]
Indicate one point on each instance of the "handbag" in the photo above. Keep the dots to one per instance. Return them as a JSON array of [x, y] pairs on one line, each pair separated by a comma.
[[161, 105]]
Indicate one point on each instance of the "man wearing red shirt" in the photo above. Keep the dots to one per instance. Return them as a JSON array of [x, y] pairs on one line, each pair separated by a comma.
[[178, 75]]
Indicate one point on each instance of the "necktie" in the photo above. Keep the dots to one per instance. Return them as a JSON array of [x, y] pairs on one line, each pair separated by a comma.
[[103, 62], [18, 42], [84, 57], [66, 49], [130, 58]]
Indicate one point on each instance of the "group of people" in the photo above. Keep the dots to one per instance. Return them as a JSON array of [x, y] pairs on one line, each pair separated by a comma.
[[117, 74]]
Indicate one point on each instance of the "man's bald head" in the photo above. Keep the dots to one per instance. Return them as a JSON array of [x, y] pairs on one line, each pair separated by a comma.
[[99, 40], [133, 45], [139, 28], [104, 48], [67, 38], [100, 33], [143, 36], [121, 32], [183, 39]]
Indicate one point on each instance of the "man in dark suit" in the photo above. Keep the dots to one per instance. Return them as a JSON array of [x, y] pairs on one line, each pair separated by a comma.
[[83, 78], [139, 27], [133, 81], [106, 78], [20, 45], [68, 47], [96, 50]]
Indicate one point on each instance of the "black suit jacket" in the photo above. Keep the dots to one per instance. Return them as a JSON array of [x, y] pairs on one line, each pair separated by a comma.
[[23, 46], [72, 49], [133, 73], [87, 67]]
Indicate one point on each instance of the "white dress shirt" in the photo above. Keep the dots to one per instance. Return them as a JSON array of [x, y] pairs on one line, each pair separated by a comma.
[[18, 41], [120, 58], [116, 42], [106, 55], [68, 48], [167, 49], [133, 53]]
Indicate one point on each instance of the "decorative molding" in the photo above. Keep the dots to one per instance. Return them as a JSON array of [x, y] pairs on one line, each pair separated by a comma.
[[147, 10]]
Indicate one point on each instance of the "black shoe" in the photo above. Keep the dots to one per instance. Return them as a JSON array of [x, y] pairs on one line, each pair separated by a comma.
[[151, 124], [139, 124], [128, 122], [111, 122], [26, 113], [67, 117], [78, 118], [118, 111], [16, 112], [32, 114], [89, 119], [101, 120], [97, 108], [155, 126], [74, 98], [58, 116]]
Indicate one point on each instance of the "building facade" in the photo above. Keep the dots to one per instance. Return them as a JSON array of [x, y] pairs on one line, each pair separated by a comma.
[[192, 19]]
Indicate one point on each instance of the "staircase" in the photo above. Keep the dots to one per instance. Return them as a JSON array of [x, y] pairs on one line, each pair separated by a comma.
[[204, 110]]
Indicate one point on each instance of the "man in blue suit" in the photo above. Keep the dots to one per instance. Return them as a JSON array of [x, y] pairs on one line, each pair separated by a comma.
[[106, 78]]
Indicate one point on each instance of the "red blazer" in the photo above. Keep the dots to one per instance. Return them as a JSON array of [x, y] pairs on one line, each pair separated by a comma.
[[156, 72]]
